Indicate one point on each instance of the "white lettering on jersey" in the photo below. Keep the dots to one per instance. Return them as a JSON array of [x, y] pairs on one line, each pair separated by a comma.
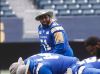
[[48, 56], [47, 32], [40, 59], [51, 57]]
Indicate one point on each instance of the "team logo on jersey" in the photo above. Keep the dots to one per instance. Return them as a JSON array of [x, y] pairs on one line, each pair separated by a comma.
[[47, 32], [41, 40], [59, 37]]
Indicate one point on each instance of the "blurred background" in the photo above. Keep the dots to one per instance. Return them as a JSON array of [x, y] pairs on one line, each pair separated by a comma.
[[18, 28]]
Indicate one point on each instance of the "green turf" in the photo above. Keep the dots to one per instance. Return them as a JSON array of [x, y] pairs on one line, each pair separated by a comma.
[[4, 72]]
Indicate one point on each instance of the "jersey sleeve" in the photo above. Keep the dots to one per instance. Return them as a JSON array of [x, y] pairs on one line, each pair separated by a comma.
[[58, 34]]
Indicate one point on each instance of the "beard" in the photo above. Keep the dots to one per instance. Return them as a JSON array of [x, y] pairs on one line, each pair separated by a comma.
[[45, 25]]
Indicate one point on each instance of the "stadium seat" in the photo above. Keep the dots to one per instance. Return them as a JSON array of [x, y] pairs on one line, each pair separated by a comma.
[[57, 1], [42, 3], [73, 6], [81, 1], [61, 6], [97, 6], [76, 12], [3, 3], [94, 1], [5, 9], [2, 0], [64, 13], [69, 1], [49, 6], [85, 6], [88, 12], [45, 2], [1, 13], [97, 12], [9, 14]]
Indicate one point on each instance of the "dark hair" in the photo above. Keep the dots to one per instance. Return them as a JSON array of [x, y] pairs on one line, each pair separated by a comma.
[[98, 53], [93, 40]]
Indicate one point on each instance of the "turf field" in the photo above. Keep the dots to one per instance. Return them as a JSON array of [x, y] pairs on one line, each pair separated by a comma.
[[4, 72]]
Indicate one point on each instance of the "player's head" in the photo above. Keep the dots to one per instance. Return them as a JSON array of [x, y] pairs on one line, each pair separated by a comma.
[[92, 44], [18, 67], [44, 17], [98, 51]]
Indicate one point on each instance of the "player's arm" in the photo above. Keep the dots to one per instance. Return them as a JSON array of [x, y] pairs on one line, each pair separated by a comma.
[[58, 39], [59, 42]]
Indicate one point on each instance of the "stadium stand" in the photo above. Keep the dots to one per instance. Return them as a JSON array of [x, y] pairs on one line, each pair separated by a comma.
[[71, 7], [5, 9], [10, 23]]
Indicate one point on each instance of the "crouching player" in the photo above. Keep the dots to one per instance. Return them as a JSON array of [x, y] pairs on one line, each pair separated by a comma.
[[44, 63], [87, 66], [90, 65]]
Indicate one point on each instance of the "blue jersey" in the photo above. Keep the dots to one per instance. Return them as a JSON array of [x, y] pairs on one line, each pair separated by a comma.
[[87, 66], [56, 63], [91, 68], [54, 39]]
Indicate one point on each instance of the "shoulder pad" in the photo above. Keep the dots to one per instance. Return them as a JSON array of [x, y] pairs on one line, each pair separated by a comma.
[[57, 28], [54, 24]]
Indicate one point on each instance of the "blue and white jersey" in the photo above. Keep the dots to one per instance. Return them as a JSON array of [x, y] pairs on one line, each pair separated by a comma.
[[88, 60], [91, 62], [54, 39], [57, 63]]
